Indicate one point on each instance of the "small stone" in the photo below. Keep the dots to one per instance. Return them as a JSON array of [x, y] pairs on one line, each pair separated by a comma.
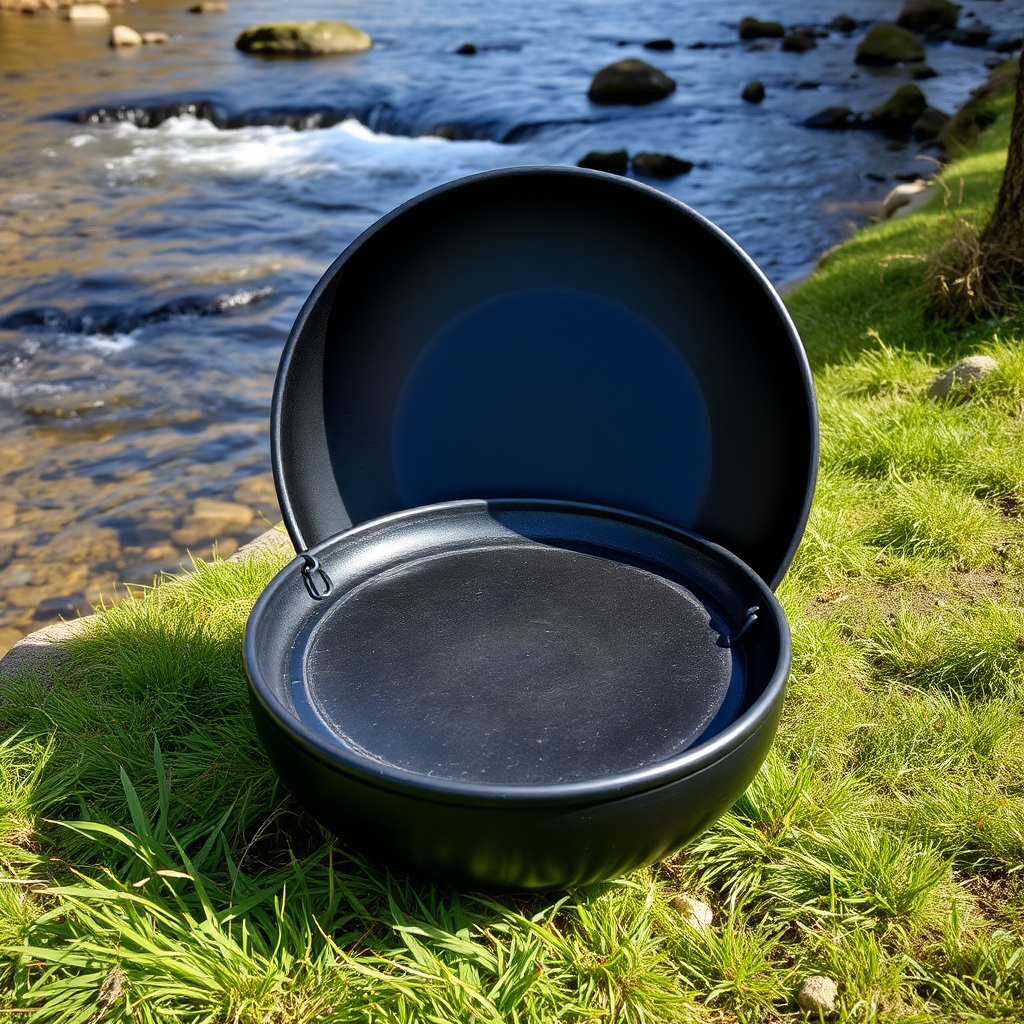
[[8, 515], [962, 377], [632, 82], [659, 44], [88, 12], [923, 71], [302, 38], [660, 165], [818, 994], [886, 45], [831, 117], [154, 38], [612, 161], [753, 92], [752, 28], [122, 35], [843, 23], [467, 49], [923, 15], [798, 42], [808, 84], [209, 7], [693, 912]]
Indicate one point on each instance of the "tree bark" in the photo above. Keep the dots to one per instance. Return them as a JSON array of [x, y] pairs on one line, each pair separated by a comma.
[[1003, 235]]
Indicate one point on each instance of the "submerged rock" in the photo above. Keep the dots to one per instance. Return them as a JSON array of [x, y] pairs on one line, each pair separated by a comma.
[[209, 7], [153, 38], [886, 44], [752, 28], [923, 71], [843, 23], [962, 377], [798, 42], [923, 15], [660, 165], [817, 994], [929, 124], [832, 117], [211, 519], [632, 81], [613, 161], [975, 35], [303, 37], [122, 35], [900, 110], [659, 44], [467, 49], [753, 92]]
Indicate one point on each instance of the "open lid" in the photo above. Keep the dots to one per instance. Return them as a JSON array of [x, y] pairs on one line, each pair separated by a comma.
[[548, 333]]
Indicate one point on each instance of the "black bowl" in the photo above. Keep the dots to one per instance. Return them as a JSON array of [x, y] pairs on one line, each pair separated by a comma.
[[517, 694]]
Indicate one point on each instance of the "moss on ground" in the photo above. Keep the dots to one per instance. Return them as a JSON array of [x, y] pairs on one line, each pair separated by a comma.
[[882, 844]]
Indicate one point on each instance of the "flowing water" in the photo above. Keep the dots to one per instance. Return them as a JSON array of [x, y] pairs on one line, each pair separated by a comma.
[[165, 210]]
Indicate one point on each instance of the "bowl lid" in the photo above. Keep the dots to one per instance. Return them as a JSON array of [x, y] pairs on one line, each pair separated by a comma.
[[548, 333]]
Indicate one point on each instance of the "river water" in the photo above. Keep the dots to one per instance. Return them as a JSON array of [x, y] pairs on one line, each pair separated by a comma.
[[152, 261]]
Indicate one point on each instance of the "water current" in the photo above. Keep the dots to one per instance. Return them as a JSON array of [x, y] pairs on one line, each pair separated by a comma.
[[165, 210]]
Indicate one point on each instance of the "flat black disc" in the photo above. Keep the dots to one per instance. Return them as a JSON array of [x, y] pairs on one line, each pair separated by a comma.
[[524, 664]]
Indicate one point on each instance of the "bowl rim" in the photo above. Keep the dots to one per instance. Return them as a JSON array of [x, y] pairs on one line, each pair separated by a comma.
[[604, 788]]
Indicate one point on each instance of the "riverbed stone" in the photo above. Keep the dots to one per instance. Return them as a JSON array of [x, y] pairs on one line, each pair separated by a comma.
[[659, 44], [660, 165], [88, 12], [923, 15], [799, 42], [753, 28], [929, 124], [209, 7], [962, 377], [122, 35], [467, 49], [82, 544], [976, 34], [919, 72], [613, 161], [303, 37], [900, 110], [210, 519], [753, 92], [832, 118], [843, 23], [694, 912], [633, 82], [8, 515], [885, 45], [155, 38], [817, 994]]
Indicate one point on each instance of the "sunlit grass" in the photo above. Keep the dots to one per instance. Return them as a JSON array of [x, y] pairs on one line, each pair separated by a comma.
[[154, 869]]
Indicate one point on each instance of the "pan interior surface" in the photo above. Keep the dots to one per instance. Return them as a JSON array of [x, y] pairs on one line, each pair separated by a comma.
[[517, 664]]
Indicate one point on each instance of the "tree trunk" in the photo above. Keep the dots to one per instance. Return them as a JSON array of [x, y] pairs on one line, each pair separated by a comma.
[[1003, 236]]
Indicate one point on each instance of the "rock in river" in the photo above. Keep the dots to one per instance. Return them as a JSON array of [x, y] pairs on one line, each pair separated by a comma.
[[209, 7], [798, 42], [889, 44], [630, 81], [88, 12], [122, 35], [303, 37], [900, 110], [843, 23], [924, 15], [832, 117], [613, 161], [660, 165], [929, 124], [923, 71], [753, 92], [751, 28]]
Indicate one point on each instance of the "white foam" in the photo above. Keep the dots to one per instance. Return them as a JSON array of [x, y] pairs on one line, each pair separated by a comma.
[[104, 344], [188, 143]]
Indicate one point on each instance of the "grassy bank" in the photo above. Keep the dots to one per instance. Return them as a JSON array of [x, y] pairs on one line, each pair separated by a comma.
[[155, 867]]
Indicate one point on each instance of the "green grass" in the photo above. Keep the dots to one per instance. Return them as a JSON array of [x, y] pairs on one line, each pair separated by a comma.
[[156, 870]]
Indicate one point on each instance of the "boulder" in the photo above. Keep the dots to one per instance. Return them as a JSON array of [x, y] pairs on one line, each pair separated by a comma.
[[659, 44], [660, 165], [303, 37], [612, 161], [753, 92], [924, 15], [751, 28], [630, 81], [122, 35], [900, 110], [817, 994], [929, 124], [88, 12], [962, 377], [798, 42], [209, 7], [153, 38], [922, 71], [467, 49], [832, 117], [887, 44], [843, 23]]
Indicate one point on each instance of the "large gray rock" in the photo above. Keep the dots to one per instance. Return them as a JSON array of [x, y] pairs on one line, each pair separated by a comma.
[[900, 110], [886, 44], [962, 377], [924, 15], [634, 82], [303, 37]]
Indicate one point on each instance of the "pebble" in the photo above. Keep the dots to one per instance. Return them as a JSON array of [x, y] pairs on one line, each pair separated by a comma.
[[152, 38], [962, 377], [122, 35], [209, 7], [753, 92], [818, 994], [693, 912]]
